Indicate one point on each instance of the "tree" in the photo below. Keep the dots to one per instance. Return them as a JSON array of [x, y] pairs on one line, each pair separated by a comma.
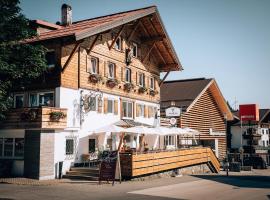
[[19, 62]]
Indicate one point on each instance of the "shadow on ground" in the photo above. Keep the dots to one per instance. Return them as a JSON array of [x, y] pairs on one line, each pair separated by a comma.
[[239, 181]]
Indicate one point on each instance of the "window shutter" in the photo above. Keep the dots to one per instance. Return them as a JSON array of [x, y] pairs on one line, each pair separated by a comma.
[[122, 74], [105, 105], [99, 106], [137, 78], [150, 111], [137, 110], [145, 111], [116, 107], [121, 109]]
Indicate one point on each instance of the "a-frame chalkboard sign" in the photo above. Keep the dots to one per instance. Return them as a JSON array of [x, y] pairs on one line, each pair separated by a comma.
[[109, 165]]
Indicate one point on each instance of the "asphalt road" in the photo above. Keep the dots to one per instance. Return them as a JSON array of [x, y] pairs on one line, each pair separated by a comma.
[[238, 186]]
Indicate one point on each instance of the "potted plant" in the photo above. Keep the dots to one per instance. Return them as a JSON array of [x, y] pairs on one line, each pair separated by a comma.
[[112, 83], [128, 87], [142, 89], [95, 78], [153, 92], [57, 115], [29, 115]]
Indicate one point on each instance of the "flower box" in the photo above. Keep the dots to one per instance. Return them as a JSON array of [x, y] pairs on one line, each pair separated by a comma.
[[95, 78], [128, 87], [112, 83], [57, 115]]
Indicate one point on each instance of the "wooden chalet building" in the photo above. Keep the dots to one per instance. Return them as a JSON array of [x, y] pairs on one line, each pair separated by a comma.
[[203, 109], [101, 71]]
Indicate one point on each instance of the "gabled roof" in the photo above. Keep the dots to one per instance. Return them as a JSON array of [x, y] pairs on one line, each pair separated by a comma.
[[86, 28], [187, 92]]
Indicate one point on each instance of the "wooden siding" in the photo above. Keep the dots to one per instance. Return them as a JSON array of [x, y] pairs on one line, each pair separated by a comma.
[[205, 114], [76, 76], [40, 119], [133, 165]]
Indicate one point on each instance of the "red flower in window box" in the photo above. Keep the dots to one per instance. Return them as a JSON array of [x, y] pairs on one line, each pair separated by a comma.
[[128, 87], [95, 78], [112, 83]]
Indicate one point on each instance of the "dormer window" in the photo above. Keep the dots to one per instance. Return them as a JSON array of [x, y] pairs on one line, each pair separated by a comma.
[[92, 65], [118, 44], [135, 50], [50, 58]]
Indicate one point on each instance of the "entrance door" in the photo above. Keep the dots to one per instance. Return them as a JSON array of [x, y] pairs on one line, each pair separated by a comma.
[[92, 145]]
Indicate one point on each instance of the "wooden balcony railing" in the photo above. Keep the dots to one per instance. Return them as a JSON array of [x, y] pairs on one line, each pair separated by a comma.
[[133, 165], [41, 118]]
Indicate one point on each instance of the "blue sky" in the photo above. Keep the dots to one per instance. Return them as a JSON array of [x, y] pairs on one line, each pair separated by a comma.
[[228, 40]]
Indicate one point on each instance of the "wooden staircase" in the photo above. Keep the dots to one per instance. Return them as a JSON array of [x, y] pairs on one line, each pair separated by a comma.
[[83, 173]]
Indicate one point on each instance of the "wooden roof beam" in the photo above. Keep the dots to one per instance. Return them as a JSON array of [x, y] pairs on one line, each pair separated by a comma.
[[76, 47], [133, 30], [163, 60], [118, 34], [148, 52], [93, 44], [163, 79], [152, 39]]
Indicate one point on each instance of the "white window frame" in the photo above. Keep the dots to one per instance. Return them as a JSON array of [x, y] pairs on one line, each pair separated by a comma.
[[127, 108], [169, 140], [113, 75], [128, 75], [70, 154], [135, 45], [112, 100], [96, 104], [152, 87], [141, 80], [120, 46], [89, 66], [16, 95], [38, 95]]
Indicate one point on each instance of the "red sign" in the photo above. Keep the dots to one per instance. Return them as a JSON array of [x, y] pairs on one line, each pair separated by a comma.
[[249, 112]]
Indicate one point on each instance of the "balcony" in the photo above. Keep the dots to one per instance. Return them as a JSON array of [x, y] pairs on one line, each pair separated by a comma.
[[254, 136], [38, 118]]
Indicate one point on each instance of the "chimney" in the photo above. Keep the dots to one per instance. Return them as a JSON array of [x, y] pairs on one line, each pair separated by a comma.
[[66, 15]]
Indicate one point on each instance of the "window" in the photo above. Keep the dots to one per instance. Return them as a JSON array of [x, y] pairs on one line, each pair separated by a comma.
[[50, 58], [41, 99], [8, 147], [19, 147], [141, 80], [18, 101], [91, 145], [262, 131], [118, 44], [92, 65], [140, 112], [128, 75], [110, 106], [93, 103], [152, 83], [111, 70], [135, 50], [69, 146], [127, 109], [11, 147], [169, 140]]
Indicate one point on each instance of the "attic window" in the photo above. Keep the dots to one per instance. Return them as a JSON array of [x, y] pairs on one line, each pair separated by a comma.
[[118, 44], [50, 58], [135, 50]]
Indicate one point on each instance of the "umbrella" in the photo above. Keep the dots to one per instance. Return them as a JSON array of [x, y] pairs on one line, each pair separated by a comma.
[[140, 130], [110, 128]]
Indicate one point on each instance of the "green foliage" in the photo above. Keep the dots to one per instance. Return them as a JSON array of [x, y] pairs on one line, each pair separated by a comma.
[[19, 62]]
